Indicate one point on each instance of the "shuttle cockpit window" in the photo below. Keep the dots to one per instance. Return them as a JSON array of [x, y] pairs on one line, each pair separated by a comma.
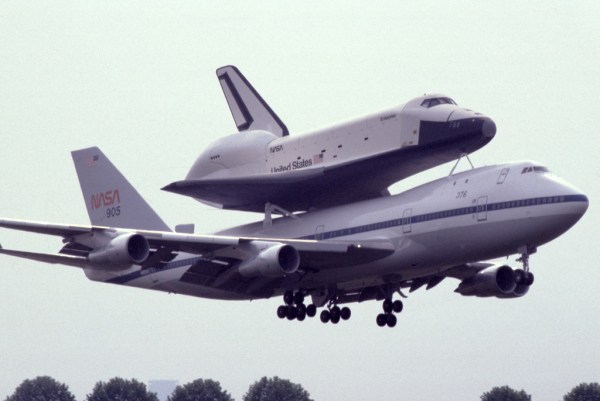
[[434, 101]]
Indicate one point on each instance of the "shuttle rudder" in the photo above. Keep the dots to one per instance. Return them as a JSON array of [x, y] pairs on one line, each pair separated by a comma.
[[248, 108]]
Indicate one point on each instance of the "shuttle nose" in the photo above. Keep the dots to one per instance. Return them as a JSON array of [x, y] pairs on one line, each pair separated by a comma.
[[463, 128], [488, 128]]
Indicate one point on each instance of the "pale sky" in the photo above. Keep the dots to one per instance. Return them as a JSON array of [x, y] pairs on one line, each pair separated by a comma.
[[137, 79]]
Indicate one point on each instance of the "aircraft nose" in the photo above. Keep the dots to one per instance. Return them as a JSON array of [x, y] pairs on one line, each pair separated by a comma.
[[580, 205], [466, 129], [488, 128]]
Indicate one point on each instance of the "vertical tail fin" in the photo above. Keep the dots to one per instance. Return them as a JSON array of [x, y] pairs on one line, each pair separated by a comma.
[[109, 198], [249, 110]]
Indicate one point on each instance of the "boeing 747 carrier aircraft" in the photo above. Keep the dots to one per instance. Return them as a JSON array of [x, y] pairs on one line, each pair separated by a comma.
[[367, 250], [356, 160]]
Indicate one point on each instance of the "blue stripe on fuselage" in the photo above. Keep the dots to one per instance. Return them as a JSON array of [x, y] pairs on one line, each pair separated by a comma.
[[416, 219]]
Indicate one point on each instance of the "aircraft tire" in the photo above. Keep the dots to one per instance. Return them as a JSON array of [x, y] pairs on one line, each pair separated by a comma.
[[335, 313], [519, 276], [298, 298], [381, 319], [529, 279], [335, 319], [282, 311], [311, 310], [301, 315], [345, 313], [325, 316], [288, 297], [391, 320], [292, 313], [397, 306]]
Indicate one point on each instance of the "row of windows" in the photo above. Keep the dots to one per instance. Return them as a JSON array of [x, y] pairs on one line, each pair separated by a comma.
[[537, 169], [436, 101], [438, 215]]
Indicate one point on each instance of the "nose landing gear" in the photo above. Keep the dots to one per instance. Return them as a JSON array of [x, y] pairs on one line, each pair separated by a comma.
[[524, 276]]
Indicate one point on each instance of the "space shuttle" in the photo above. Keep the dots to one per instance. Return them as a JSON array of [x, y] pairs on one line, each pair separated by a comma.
[[263, 165]]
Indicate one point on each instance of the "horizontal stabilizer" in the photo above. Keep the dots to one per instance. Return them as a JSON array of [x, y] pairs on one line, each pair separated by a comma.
[[249, 110]]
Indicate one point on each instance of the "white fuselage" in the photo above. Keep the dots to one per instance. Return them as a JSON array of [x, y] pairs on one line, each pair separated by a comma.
[[244, 171], [472, 216]]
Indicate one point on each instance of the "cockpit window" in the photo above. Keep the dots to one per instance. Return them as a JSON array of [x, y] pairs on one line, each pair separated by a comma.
[[537, 169], [434, 101]]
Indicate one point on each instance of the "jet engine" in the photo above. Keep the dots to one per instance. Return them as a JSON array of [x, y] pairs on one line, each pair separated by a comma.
[[123, 250], [274, 261], [493, 281]]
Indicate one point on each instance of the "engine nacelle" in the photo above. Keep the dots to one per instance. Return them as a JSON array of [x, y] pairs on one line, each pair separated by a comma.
[[274, 261], [493, 281], [123, 250]]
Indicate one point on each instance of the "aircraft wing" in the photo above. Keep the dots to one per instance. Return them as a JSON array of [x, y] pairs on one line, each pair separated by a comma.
[[313, 254]]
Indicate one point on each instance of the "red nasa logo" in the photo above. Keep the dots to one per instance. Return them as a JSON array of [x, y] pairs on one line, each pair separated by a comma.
[[106, 198]]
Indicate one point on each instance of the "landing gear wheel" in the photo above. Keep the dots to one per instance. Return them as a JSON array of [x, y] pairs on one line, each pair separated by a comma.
[[311, 310], [391, 320], [345, 313], [282, 311], [301, 309], [288, 297], [381, 319], [387, 305], [301, 315], [519, 276], [397, 306], [529, 279], [292, 313], [335, 314], [299, 298], [325, 316]]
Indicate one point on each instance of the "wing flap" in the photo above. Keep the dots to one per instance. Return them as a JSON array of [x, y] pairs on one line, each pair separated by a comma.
[[61, 230], [46, 258]]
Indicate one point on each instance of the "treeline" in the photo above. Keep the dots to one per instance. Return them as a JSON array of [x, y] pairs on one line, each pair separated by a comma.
[[44, 388]]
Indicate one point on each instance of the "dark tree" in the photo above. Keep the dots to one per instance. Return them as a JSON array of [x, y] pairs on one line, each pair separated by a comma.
[[584, 392], [117, 389], [505, 393], [42, 388], [200, 390], [276, 389]]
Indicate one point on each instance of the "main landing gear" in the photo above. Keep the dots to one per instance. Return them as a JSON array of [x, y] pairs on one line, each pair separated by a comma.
[[390, 308], [294, 307], [333, 313], [524, 276]]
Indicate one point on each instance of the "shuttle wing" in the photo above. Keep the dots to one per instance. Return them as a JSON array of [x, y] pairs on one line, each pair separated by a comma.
[[305, 189]]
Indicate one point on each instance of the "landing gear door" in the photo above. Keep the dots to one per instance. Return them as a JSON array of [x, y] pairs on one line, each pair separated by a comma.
[[482, 208], [406, 228], [319, 232]]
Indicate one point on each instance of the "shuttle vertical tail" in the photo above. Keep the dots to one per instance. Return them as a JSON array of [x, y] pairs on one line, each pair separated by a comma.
[[248, 108], [109, 198]]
